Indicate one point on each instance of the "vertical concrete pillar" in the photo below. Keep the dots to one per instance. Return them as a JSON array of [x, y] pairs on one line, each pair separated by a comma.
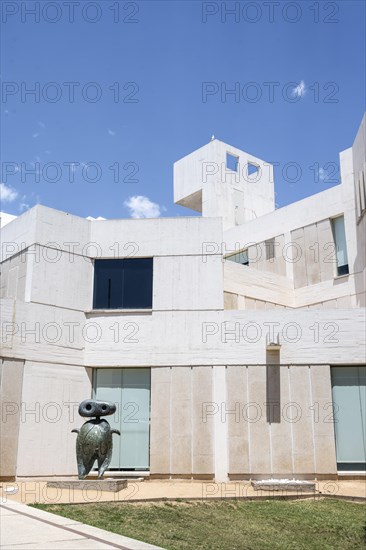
[[238, 426], [11, 385], [298, 414], [202, 424], [260, 443], [221, 431], [323, 422], [181, 421], [160, 420]]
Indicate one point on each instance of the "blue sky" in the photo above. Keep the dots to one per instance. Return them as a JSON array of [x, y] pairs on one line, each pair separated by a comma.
[[148, 106]]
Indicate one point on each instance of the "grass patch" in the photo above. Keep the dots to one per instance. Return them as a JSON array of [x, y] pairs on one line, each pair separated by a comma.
[[229, 525]]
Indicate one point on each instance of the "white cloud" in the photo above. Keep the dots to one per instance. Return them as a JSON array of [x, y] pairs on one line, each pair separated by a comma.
[[143, 207], [7, 194], [23, 207], [111, 132], [299, 90], [35, 135], [99, 218], [41, 124]]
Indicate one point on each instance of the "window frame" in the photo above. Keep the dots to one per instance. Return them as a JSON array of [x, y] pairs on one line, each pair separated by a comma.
[[340, 270], [121, 308]]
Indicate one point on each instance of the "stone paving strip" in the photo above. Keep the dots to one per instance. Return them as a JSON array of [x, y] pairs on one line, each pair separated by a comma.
[[27, 528], [28, 491]]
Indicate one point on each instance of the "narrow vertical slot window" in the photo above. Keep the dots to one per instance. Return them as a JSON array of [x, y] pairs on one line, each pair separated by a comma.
[[339, 236]]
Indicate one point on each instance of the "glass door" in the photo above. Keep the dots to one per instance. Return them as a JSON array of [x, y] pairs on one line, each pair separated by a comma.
[[130, 390], [349, 399]]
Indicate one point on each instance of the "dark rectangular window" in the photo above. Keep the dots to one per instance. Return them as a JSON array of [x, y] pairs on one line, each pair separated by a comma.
[[123, 284]]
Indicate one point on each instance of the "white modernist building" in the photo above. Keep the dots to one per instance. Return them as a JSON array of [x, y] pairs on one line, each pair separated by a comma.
[[233, 342]]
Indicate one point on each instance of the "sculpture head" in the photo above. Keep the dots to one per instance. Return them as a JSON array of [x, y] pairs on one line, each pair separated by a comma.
[[92, 407]]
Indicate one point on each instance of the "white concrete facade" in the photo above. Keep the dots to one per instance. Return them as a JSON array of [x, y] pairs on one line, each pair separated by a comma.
[[224, 405]]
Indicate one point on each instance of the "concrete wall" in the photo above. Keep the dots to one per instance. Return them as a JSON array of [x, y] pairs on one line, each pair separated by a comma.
[[203, 182], [276, 420], [71, 276], [258, 285], [328, 336], [258, 255], [39, 332], [306, 253], [359, 181], [293, 436], [57, 269], [11, 382], [181, 443], [317, 261], [13, 280], [50, 398], [196, 431]]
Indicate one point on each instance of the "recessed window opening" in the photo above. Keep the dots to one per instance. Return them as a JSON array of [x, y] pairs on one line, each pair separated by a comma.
[[361, 195], [339, 236], [239, 258], [270, 249], [123, 283], [232, 162], [252, 169]]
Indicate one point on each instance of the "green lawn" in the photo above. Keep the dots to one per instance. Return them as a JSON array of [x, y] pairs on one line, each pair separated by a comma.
[[229, 525]]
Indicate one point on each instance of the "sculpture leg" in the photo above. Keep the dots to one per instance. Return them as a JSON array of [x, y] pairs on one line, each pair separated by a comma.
[[84, 467], [105, 455], [104, 461]]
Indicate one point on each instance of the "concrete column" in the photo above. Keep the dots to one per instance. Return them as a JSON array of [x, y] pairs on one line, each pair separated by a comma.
[[11, 396], [221, 431], [202, 424], [160, 438], [181, 422], [323, 426]]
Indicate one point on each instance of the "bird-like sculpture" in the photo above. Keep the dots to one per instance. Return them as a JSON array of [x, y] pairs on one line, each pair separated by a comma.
[[94, 440]]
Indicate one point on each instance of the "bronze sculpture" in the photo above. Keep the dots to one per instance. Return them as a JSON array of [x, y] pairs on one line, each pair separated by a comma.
[[94, 441]]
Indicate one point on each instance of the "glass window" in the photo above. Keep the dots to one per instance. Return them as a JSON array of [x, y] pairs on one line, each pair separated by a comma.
[[339, 236], [123, 284], [239, 258]]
